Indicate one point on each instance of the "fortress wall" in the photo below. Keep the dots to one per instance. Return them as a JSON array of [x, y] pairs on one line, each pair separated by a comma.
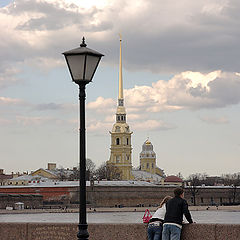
[[104, 196], [109, 196], [64, 231]]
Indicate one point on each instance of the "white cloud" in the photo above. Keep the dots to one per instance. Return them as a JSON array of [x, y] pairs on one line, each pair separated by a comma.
[[10, 101], [197, 35], [102, 105], [151, 125], [99, 126], [214, 120], [8, 76], [4, 121], [186, 90], [192, 90], [34, 120]]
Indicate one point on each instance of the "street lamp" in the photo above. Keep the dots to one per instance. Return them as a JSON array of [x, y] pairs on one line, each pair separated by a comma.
[[82, 63]]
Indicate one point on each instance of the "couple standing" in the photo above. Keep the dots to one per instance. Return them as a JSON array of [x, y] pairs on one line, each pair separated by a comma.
[[166, 222]]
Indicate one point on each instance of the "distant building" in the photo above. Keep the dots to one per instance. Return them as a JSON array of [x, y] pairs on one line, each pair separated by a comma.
[[54, 173], [173, 180], [26, 180], [52, 166], [45, 173], [140, 175], [4, 177]]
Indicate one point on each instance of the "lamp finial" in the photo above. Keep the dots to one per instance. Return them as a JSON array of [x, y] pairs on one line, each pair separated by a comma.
[[83, 44]]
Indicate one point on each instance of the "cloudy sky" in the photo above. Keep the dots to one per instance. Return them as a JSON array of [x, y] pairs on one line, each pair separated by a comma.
[[181, 79]]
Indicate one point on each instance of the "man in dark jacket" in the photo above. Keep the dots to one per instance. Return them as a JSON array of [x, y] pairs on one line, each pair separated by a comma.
[[175, 208]]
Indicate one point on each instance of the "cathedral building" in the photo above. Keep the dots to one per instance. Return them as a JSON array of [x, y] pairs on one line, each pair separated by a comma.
[[120, 162], [121, 148]]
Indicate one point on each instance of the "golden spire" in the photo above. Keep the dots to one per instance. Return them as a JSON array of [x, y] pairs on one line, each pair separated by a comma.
[[120, 93]]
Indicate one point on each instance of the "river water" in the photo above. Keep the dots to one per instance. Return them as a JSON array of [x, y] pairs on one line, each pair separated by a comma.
[[225, 217]]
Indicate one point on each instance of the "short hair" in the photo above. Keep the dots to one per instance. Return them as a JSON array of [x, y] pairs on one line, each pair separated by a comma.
[[178, 191]]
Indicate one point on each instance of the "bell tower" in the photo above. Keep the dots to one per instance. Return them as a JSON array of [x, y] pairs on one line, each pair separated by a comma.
[[121, 148]]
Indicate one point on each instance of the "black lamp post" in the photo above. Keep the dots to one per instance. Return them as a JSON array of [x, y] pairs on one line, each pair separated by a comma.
[[82, 63]]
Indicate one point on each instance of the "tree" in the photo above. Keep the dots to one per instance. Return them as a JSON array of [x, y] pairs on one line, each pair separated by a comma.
[[108, 171], [90, 168], [232, 180], [101, 171], [193, 181]]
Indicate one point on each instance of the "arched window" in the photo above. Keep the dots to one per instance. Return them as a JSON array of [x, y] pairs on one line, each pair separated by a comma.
[[122, 118], [117, 141]]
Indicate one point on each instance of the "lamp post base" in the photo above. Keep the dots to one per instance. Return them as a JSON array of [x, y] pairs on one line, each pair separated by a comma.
[[83, 232]]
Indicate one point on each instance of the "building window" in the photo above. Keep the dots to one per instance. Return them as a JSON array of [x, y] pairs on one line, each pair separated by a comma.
[[127, 141], [147, 165], [118, 118], [122, 118], [191, 199], [117, 159], [201, 199], [142, 166], [117, 141], [152, 165], [221, 200]]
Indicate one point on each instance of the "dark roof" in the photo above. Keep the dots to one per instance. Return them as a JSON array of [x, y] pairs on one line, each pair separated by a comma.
[[173, 178]]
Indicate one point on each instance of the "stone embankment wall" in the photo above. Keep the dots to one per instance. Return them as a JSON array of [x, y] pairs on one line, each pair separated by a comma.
[[63, 231]]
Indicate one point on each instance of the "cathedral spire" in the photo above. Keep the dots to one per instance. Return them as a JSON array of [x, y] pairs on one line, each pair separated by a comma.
[[120, 90]]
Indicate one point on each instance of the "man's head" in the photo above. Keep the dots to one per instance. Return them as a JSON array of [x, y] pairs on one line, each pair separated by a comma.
[[178, 192]]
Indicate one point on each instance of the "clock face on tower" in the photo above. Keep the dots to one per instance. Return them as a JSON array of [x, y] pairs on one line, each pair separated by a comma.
[[120, 102]]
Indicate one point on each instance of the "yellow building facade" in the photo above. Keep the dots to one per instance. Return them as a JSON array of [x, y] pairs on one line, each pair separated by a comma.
[[121, 148], [44, 173], [148, 158]]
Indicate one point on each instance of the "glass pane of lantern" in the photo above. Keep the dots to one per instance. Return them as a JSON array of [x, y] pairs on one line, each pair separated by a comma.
[[91, 65], [76, 65]]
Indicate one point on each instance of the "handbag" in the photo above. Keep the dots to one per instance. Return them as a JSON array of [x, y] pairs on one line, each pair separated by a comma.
[[147, 216]]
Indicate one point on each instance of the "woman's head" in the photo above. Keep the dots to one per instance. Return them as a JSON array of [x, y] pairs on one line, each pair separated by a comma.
[[165, 199]]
